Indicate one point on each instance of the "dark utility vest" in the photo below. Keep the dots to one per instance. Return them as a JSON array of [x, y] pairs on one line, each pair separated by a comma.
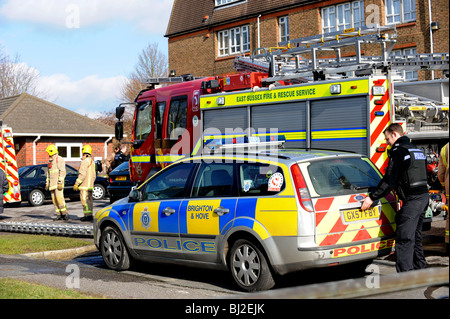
[[413, 178]]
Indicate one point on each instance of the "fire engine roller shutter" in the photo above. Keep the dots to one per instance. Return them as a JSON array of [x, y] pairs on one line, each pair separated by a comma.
[[340, 124], [289, 119], [225, 120]]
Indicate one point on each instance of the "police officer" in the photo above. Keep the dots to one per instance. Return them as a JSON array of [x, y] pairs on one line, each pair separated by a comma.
[[407, 174], [56, 174], [85, 182]]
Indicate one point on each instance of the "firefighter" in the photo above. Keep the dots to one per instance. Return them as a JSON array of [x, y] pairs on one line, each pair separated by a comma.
[[443, 178], [85, 182], [407, 174], [56, 174]]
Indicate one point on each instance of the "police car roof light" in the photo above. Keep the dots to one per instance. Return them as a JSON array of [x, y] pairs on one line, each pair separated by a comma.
[[257, 142]]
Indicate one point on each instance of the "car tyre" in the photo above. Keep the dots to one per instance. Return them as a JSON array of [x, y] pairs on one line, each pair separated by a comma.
[[114, 250], [249, 267], [36, 197], [98, 192]]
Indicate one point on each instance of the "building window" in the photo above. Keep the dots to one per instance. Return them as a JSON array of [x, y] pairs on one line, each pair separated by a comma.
[[407, 75], [343, 16], [283, 25], [224, 2], [233, 41], [70, 151], [400, 11]]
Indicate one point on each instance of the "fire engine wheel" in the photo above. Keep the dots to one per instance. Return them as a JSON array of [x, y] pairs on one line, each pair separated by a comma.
[[113, 249], [249, 267], [36, 197]]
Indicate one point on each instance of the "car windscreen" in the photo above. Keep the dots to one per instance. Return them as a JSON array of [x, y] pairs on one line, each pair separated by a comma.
[[344, 175], [124, 167]]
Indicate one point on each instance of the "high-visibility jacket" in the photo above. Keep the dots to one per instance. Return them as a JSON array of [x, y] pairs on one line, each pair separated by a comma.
[[86, 174], [443, 169], [56, 172]]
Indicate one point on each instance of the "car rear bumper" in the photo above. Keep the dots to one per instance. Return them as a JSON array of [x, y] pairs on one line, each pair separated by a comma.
[[317, 257]]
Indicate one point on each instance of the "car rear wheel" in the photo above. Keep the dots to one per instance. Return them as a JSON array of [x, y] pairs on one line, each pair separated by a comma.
[[249, 267], [36, 197], [98, 192], [113, 249]]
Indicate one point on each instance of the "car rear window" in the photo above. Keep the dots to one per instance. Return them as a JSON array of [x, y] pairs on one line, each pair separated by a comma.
[[340, 176]]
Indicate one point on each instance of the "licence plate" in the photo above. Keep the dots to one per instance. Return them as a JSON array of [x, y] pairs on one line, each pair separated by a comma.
[[121, 178], [357, 215]]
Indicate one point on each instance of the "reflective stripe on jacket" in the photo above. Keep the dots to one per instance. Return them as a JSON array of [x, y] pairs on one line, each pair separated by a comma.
[[56, 172], [86, 174]]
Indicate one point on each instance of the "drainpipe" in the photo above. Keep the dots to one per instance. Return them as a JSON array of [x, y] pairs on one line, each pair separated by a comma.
[[34, 149], [431, 35], [106, 146], [259, 34]]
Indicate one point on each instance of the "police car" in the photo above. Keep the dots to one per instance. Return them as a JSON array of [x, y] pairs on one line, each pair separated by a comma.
[[257, 214]]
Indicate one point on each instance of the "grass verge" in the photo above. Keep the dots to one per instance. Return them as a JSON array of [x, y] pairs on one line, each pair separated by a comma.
[[18, 289], [29, 243]]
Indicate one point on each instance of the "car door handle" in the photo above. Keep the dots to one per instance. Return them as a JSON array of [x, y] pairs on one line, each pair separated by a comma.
[[168, 211], [221, 211]]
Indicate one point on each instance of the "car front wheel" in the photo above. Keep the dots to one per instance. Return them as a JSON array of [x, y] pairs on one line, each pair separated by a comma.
[[113, 249], [249, 267]]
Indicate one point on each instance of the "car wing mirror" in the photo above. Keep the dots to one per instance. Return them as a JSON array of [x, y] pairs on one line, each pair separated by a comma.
[[135, 195]]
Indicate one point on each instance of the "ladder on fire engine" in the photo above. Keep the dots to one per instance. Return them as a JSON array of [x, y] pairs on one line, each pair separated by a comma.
[[171, 79], [287, 62], [423, 117]]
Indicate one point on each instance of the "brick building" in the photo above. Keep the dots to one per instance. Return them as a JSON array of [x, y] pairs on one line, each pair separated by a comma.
[[205, 35], [37, 123]]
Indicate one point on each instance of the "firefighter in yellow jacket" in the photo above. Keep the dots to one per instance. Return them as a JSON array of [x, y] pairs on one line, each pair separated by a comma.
[[56, 174], [85, 182]]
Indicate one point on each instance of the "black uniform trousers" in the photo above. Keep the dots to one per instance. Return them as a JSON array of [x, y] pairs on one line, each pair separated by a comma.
[[408, 243]]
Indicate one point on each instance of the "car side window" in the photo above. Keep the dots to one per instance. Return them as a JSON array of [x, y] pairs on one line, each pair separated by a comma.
[[71, 171], [214, 180], [170, 183], [257, 179], [31, 174], [43, 171]]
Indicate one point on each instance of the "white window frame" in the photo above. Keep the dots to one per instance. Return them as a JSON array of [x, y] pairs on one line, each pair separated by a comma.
[[283, 28], [219, 3], [233, 41], [400, 11], [69, 151], [343, 16], [407, 75]]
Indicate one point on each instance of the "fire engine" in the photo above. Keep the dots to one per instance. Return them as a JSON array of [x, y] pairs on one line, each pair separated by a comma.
[[341, 103], [9, 165]]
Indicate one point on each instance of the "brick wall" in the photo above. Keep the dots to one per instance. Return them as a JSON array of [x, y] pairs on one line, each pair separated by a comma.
[[24, 149], [197, 53]]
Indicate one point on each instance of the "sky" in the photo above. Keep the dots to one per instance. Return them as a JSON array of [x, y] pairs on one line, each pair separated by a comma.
[[82, 49]]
